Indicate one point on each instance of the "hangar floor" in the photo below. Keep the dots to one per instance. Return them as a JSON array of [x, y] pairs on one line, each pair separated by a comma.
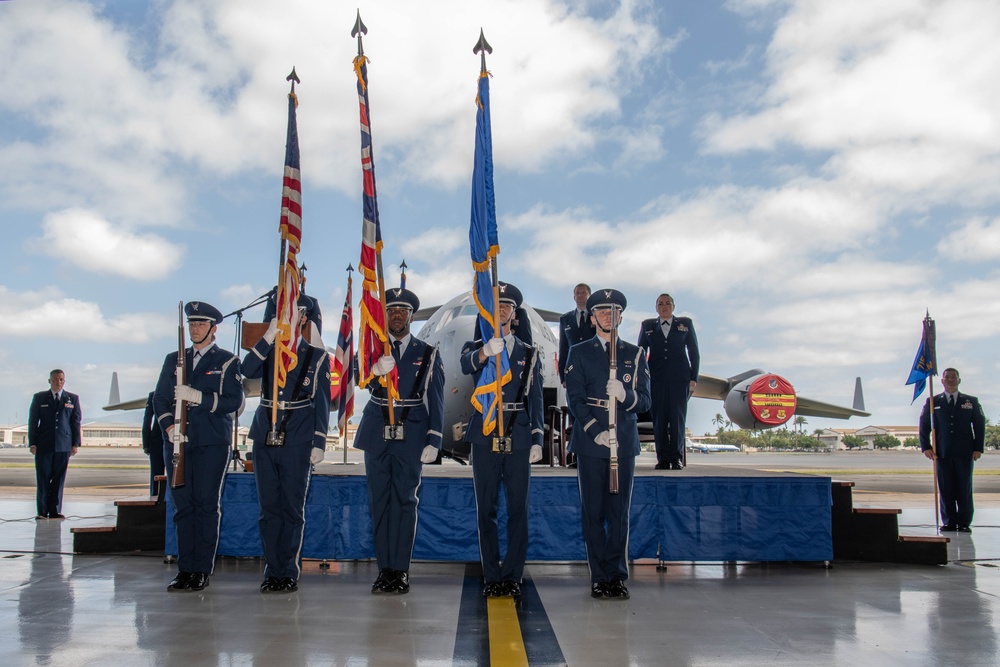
[[63, 609]]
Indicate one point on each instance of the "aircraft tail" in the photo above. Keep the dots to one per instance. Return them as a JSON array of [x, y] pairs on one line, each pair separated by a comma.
[[859, 396], [114, 397]]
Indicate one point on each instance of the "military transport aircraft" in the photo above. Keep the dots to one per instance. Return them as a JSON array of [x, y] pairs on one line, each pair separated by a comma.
[[752, 400]]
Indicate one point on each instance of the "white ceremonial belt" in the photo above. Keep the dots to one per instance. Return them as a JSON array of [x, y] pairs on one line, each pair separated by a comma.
[[287, 405], [403, 402], [513, 407], [598, 402]]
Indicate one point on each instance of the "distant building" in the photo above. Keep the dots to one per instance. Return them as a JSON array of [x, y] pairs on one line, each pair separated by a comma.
[[115, 434]]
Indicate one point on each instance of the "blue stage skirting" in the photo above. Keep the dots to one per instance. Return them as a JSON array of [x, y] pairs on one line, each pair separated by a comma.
[[673, 518]]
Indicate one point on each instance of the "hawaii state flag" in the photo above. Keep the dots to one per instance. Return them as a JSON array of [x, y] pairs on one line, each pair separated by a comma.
[[372, 328], [485, 246], [287, 341], [342, 360]]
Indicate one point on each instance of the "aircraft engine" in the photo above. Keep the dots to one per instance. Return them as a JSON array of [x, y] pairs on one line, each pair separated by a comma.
[[761, 402]]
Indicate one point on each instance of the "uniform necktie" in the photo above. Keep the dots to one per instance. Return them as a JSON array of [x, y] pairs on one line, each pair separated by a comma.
[[395, 349], [196, 359], [579, 318], [951, 400]]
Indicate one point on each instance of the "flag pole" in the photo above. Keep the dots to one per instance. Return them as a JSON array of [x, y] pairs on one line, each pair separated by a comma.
[[483, 47], [934, 463], [293, 79]]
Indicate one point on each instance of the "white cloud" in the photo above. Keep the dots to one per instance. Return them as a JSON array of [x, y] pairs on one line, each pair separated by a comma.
[[899, 94], [92, 243], [977, 240], [48, 313]]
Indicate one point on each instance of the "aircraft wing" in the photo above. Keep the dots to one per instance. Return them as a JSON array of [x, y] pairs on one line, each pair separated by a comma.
[[134, 404], [808, 407]]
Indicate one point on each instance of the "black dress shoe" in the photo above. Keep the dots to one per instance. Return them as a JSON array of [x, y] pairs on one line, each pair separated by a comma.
[[400, 582], [677, 465], [950, 527], [40, 517], [198, 581], [270, 585], [181, 582], [287, 585], [493, 589], [512, 588], [616, 589], [964, 529], [598, 590], [56, 515], [661, 466], [383, 581]]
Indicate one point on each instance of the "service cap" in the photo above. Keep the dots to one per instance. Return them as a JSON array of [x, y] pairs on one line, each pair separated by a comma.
[[606, 298], [400, 297], [199, 311], [509, 294]]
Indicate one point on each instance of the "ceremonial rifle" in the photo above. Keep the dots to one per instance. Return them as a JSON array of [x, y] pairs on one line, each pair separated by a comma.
[[613, 404], [180, 407]]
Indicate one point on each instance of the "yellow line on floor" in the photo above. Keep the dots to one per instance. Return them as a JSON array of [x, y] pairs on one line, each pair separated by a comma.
[[506, 643]]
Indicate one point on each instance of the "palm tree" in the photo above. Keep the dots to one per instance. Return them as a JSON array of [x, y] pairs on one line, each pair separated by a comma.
[[800, 423], [718, 420]]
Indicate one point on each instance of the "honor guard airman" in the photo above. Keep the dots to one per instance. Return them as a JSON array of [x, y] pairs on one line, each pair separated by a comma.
[[506, 461], [213, 393], [285, 451], [394, 453], [672, 348], [592, 392], [575, 327]]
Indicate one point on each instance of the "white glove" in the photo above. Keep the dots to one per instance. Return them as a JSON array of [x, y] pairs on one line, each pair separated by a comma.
[[536, 454], [616, 390], [603, 439], [492, 347], [316, 456], [174, 436], [188, 394], [429, 455], [272, 331], [384, 365]]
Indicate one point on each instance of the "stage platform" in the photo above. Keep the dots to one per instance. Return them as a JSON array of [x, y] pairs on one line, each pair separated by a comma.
[[702, 513]]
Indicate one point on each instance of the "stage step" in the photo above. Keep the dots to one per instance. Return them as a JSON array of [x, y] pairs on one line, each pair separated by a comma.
[[872, 533], [140, 526]]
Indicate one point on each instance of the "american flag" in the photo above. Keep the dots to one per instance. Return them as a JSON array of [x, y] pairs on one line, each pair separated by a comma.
[[290, 228], [342, 360], [372, 329], [484, 245]]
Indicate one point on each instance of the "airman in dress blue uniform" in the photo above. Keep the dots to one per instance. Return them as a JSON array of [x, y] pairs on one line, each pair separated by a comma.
[[54, 434], [283, 462], [575, 327], [506, 462], [590, 390], [960, 437], [213, 393], [395, 454], [672, 346]]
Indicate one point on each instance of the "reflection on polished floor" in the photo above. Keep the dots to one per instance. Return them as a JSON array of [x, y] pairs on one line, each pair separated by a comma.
[[61, 609]]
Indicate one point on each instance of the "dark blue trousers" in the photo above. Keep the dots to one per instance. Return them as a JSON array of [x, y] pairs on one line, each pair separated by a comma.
[[50, 475], [198, 505], [605, 516], [669, 413], [156, 467], [282, 475], [489, 471], [393, 494], [954, 477]]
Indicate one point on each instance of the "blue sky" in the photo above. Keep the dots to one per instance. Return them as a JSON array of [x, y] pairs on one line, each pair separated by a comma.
[[806, 178]]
